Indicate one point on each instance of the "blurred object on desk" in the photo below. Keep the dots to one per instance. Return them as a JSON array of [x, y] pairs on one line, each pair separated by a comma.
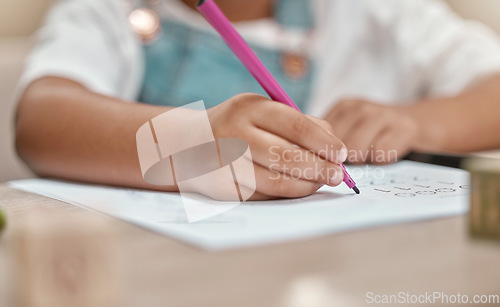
[[2, 220], [64, 259], [485, 197], [492, 154]]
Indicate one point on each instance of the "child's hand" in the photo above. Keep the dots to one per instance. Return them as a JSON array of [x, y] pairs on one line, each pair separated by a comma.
[[373, 133], [272, 130]]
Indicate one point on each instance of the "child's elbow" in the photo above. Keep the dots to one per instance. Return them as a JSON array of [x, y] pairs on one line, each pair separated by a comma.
[[25, 140], [22, 144]]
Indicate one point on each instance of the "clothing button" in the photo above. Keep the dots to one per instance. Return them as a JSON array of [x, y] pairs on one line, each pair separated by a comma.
[[295, 66]]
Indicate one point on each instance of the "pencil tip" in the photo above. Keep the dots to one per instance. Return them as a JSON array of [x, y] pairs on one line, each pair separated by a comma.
[[356, 189]]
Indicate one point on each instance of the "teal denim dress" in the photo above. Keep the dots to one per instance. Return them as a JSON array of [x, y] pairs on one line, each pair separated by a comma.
[[184, 65]]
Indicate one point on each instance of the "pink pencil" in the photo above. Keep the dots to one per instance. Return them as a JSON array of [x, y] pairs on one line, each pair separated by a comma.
[[240, 48]]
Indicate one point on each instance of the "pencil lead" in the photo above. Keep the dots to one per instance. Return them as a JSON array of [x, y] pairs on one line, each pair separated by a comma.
[[356, 189]]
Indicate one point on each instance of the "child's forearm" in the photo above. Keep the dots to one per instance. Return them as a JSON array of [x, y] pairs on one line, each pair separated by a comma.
[[64, 130], [468, 122]]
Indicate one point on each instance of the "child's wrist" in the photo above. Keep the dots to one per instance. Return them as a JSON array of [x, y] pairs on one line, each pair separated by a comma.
[[430, 135]]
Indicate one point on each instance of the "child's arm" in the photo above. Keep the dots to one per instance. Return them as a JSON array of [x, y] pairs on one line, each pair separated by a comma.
[[434, 56], [465, 123], [66, 131]]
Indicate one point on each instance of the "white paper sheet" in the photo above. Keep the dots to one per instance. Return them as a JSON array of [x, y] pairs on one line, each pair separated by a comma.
[[407, 191]]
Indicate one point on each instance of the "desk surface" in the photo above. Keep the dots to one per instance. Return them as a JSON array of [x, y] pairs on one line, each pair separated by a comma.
[[334, 270]]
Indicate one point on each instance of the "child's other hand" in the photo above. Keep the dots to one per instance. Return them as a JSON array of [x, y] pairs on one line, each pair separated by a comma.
[[373, 133], [272, 131]]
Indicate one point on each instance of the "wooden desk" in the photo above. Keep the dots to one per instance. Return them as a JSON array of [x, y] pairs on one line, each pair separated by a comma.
[[335, 270]]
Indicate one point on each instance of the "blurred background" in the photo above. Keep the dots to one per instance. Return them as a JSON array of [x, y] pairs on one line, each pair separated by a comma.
[[19, 19]]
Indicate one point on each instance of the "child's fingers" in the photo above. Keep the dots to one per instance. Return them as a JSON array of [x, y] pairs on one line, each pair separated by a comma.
[[275, 184], [393, 143], [342, 117], [279, 155], [322, 123], [300, 130], [259, 196], [361, 139], [342, 126]]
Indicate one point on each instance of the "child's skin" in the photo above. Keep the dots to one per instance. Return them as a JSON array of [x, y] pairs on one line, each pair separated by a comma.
[[64, 130], [67, 131], [464, 123]]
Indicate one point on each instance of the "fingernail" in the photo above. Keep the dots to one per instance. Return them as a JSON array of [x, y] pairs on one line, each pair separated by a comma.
[[337, 178], [342, 155]]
